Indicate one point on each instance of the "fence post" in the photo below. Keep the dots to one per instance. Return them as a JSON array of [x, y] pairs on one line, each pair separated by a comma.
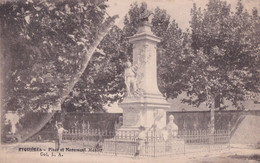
[[115, 145], [209, 138], [229, 134], [154, 141], [87, 134], [83, 135], [184, 150]]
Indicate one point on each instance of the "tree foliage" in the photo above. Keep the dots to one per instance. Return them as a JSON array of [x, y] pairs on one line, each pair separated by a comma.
[[47, 46], [173, 61], [44, 46], [103, 80], [225, 48]]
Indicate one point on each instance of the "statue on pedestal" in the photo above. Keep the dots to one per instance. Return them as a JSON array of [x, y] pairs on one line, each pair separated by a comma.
[[145, 17], [118, 124], [130, 79], [143, 96], [172, 128], [84, 125], [172, 132]]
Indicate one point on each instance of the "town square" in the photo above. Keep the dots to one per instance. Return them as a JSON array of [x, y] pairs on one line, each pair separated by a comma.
[[108, 81]]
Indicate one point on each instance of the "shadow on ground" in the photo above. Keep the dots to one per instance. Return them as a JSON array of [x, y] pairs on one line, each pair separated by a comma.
[[255, 157]]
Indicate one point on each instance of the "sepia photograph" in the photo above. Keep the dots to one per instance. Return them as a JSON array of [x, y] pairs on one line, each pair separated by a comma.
[[107, 81]]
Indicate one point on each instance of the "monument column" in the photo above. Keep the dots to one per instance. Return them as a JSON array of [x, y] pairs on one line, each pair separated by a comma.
[[144, 106], [144, 58]]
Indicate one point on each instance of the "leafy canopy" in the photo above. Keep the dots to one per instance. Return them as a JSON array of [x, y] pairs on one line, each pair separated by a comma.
[[225, 52], [46, 46]]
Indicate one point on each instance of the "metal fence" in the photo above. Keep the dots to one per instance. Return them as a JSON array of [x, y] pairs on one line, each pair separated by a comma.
[[155, 144]]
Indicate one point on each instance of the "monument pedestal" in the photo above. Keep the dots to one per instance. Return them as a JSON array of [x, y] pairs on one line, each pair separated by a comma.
[[144, 105], [144, 111]]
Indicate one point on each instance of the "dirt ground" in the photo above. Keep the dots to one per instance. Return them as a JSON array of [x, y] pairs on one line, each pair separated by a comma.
[[11, 154]]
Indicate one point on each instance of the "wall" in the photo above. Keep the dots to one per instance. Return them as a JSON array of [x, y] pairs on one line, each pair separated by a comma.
[[200, 119], [106, 121]]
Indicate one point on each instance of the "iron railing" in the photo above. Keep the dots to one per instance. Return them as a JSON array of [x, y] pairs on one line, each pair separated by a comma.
[[155, 144]]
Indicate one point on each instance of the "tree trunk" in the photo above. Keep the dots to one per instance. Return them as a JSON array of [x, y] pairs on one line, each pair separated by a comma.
[[212, 119], [211, 105]]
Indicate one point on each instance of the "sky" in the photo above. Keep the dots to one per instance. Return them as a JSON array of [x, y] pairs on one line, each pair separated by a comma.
[[177, 9]]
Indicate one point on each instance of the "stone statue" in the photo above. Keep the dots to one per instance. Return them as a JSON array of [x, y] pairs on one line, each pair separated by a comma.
[[84, 125], [173, 142], [172, 128], [130, 79], [120, 119], [145, 17], [118, 124]]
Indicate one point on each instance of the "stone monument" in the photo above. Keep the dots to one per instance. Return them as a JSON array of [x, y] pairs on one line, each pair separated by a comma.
[[173, 142], [172, 128], [144, 104]]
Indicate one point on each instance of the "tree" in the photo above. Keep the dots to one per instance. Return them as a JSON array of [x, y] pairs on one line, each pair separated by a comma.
[[225, 49], [173, 60], [103, 80], [47, 46], [160, 22]]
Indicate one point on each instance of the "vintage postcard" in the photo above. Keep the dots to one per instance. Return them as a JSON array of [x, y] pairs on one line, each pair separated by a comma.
[[130, 81]]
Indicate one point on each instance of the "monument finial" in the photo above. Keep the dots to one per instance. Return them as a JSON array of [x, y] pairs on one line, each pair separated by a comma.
[[145, 22], [145, 18]]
